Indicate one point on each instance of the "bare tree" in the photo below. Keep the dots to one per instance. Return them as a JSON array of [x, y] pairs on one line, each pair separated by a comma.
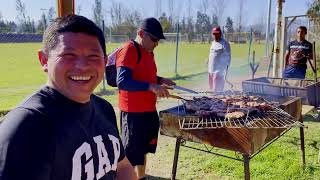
[[218, 7], [97, 12], [189, 10], [240, 18], [117, 13], [158, 7], [25, 22], [259, 26], [79, 9], [51, 14], [42, 23], [132, 19], [177, 7], [190, 26], [21, 10], [260, 23], [204, 5], [170, 10]]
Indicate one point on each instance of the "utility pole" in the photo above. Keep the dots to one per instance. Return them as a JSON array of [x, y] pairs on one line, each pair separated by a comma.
[[268, 30], [65, 7], [277, 39]]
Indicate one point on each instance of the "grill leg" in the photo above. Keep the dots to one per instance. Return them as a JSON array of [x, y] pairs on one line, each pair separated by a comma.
[[175, 158], [303, 154], [246, 162]]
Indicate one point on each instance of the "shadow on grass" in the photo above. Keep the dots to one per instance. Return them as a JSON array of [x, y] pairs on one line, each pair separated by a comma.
[[311, 118], [103, 92], [156, 178], [292, 140], [179, 77], [314, 144], [296, 142]]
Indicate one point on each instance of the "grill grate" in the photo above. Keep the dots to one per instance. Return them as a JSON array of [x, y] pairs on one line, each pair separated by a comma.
[[275, 118]]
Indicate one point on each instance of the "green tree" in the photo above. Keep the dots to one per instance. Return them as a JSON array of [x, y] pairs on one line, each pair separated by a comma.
[[215, 20], [229, 25], [3, 27], [12, 26], [165, 23], [203, 24], [2, 24], [314, 8], [42, 24], [190, 29], [314, 12]]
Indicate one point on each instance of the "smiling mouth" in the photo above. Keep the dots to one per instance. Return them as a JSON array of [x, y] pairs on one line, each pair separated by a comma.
[[80, 78]]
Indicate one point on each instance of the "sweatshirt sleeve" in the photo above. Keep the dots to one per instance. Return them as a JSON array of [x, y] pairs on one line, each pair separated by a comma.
[[25, 149], [125, 81]]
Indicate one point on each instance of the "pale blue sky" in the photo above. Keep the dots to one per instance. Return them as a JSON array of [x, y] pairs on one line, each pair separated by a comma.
[[253, 9]]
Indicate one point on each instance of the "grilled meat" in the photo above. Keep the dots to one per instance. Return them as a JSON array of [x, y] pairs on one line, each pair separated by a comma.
[[229, 106]]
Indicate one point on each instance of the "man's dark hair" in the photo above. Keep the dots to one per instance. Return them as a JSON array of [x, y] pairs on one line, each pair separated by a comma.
[[303, 28], [71, 23]]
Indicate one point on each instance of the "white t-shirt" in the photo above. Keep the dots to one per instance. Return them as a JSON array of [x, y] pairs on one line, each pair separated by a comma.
[[219, 57]]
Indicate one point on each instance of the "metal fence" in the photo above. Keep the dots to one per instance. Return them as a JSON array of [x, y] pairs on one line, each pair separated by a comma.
[[19, 38]]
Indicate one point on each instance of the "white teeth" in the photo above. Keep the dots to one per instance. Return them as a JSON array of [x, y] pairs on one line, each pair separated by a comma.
[[80, 78]]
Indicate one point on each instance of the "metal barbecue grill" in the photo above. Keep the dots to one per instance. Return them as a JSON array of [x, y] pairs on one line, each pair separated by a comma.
[[276, 118], [248, 135]]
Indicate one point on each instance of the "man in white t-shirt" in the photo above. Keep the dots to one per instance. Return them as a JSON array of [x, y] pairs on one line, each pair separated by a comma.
[[219, 60]]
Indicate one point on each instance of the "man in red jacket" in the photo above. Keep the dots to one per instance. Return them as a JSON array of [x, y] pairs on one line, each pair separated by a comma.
[[139, 86]]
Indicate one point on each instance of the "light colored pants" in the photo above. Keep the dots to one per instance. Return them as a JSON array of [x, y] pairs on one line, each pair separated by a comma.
[[216, 82]]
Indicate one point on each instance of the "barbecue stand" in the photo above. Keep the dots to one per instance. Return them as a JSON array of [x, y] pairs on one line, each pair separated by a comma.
[[247, 141]]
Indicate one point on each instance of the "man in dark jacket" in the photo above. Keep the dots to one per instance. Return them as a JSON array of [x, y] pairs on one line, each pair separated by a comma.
[[297, 54], [63, 131]]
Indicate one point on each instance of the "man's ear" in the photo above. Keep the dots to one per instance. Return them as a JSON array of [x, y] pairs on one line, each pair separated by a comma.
[[43, 59], [141, 33]]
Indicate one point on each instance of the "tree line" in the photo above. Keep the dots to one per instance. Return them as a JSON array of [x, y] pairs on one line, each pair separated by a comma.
[[24, 23], [124, 21]]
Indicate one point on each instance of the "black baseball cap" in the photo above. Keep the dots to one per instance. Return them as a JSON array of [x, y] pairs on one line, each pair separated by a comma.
[[152, 26]]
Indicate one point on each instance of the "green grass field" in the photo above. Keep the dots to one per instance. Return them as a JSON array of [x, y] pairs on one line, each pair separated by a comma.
[[280, 161], [21, 75]]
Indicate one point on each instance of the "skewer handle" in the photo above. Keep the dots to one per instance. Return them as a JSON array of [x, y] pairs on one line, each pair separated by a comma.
[[177, 97]]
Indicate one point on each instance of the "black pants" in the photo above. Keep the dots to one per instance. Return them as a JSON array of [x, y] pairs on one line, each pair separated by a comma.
[[139, 134]]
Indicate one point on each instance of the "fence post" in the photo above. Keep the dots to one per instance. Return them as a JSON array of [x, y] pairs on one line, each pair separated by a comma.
[[104, 78], [250, 42], [177, 47], [110, 34]]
